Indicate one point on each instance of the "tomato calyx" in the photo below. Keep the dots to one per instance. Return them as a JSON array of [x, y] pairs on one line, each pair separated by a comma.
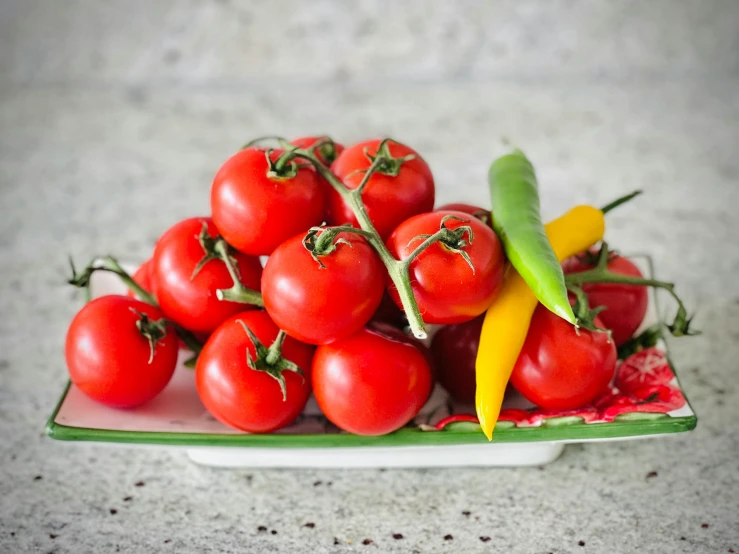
[[680, 325], [270, 359], [284, 167], [385, 162], [216, 248], [584, 315], [322, 241], [153, 330], [452, 239]]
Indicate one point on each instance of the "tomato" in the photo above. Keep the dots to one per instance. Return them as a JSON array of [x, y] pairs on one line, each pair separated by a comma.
[[317, 304], [446, 288], [326, 153], [244, 398], [255, 212], [371, 383], [191, 300], [110, 360], [142, 277], [388, 199], [480, 213], [454, 349], [626, 305], [560, 367]]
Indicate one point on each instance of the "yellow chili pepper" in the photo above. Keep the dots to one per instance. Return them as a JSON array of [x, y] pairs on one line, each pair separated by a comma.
[[507, 320]]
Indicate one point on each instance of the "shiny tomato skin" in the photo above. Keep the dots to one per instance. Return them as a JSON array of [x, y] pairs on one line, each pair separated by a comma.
[[307, 142], [561, 368], [320, 305], [454, 350], [371, 383], [242, 397], [480, 213], [107, 357], [388, 199], [626, 305], [142, 277], [256, 213], [191, 301], [445, 286]]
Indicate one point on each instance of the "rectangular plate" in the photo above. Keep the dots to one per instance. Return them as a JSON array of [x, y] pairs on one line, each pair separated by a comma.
[[177, 418]]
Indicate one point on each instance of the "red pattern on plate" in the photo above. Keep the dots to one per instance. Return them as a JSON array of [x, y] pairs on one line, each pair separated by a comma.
[[644, 382]]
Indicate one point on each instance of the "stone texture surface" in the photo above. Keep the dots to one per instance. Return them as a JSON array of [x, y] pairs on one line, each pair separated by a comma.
[[115, 116]]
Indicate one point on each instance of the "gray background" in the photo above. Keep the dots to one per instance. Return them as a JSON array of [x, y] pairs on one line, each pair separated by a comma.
[[114, 117]]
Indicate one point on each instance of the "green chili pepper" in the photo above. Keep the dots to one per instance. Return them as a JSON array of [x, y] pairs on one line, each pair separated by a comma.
[[517, 222]]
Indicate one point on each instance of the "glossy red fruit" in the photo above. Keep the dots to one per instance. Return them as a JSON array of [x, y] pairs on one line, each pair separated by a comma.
[[480, 213], [142, 277], [371, 383], [626, 305], [389, 199], [244, 398], [561, 367], [110, 360], [256, 211], [318, 304], [190, 300], [446, 288]]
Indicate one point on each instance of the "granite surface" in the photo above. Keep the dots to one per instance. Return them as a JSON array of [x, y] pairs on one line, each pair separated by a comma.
[[113, 119]]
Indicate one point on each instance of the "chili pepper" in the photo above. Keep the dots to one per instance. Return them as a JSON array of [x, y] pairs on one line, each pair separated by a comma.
[[507, 320], [517, 222]]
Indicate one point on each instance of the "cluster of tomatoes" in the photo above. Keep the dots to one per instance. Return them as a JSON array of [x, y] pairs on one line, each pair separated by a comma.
[[323, 314]]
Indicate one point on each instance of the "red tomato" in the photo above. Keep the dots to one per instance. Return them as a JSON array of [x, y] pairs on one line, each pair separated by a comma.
[[454, 349], [446, 288], [371, 383], [244, 398], [109, 358], [326, 153], [255, 213], [561, 368], [480, 213], [626, 305], [317, 304], [142, 277], [191, 301], [388, 199]]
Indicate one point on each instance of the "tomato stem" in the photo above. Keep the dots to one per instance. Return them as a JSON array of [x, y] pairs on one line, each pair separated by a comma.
[[275, 350], [109, 263], [397, 270], [600, 274], [238, 292]]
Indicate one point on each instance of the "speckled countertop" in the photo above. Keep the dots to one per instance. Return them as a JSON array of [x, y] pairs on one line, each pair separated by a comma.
[[113, 119]]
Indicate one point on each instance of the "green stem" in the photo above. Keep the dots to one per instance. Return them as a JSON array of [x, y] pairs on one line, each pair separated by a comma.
[[238, 292], [275, 349], [397, 270], [602, 275], [108, 263], [616, 203]]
